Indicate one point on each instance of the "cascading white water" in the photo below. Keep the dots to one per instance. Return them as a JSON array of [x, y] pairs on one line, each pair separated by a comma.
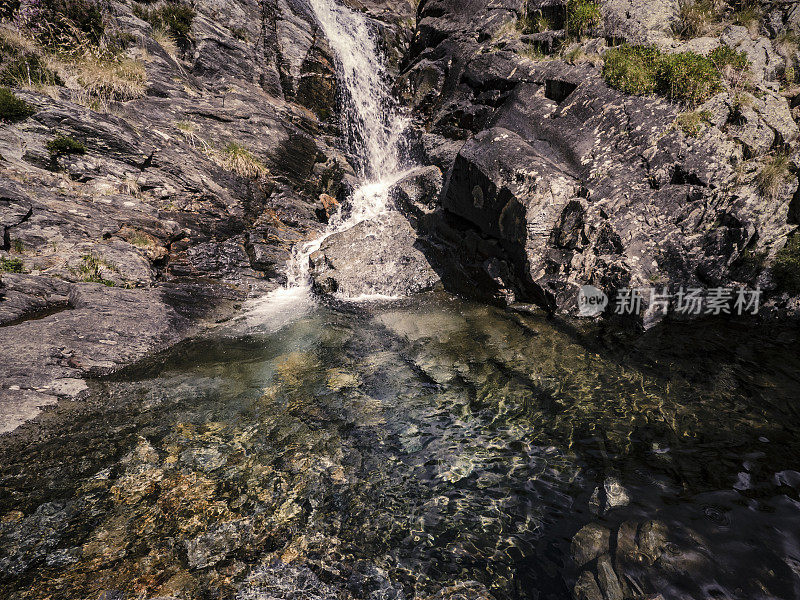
[[373, 130]]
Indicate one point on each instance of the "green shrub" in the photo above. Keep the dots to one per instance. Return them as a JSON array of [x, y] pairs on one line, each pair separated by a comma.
[[11, 265], [13, 109], [725, 56], [62, 145], [632, 69], [786, 268], [686, 77], [172, 16], [582, 15], [29, 70]]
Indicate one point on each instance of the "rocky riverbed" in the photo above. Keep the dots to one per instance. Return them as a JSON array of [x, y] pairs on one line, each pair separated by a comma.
[[425, 449]]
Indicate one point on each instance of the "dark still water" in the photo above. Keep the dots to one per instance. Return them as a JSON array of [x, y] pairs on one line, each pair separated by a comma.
[[424, 449]]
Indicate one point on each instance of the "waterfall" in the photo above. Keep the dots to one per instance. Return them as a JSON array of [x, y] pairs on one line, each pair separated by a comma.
[[373, 130]]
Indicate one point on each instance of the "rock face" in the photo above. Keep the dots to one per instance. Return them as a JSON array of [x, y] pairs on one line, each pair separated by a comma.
[[556, 180], [187, 199]]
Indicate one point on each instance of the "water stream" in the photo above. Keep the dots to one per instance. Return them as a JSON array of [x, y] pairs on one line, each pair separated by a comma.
[[373, 130]]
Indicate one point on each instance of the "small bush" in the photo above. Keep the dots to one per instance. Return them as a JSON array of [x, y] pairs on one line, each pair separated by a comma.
[[691, 123], [689, 77], [61, 145], [13, 109], [11, 265], [786, 268], [686, 77], [582, 16], [773, 175], [172, 16]]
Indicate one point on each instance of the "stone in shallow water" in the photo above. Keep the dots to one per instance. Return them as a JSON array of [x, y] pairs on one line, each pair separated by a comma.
[[589, 543], [217, 543]]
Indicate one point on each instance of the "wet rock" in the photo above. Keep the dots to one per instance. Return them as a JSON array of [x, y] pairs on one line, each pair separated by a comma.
[[609, 583], [652, 540], [589, 543], [377, 257], [587, 588], [417, 194], [615, 493]]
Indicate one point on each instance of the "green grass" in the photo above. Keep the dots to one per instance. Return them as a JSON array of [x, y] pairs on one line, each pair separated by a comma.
[[90, 270], [11, 265], [632, 69], [685, 77], [786, 268], [62, 145], [582, 16], [13, 109]]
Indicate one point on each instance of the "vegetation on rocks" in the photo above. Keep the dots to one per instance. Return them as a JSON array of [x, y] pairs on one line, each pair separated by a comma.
[[691, 123], [240, 160], [62, 145], [582, 16], [685, 76], [11, 265], [773, 175], [173, 16], [13, 109]]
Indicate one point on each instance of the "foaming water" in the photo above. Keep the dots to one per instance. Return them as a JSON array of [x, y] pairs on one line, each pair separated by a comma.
[[373, 131]]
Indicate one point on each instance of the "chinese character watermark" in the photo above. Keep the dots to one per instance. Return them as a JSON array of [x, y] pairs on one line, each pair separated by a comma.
[[685, 301]]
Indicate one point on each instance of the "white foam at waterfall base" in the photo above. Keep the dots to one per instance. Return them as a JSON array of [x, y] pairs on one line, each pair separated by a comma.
[[374, 132]]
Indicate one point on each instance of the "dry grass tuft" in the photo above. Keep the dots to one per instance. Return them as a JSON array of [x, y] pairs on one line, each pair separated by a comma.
[[773, 176], [167, 41]]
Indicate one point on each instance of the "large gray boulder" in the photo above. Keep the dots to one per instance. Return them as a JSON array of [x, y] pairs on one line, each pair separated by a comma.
[[380, 257]]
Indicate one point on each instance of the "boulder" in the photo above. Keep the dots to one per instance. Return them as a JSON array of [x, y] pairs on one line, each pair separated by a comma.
[[640, 21], [380, 257]]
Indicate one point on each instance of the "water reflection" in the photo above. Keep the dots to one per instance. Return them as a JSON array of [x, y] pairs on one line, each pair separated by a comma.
[[427, 448]]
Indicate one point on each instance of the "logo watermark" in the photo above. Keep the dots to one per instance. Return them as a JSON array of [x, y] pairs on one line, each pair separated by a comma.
[[591, 301], [685, 301]]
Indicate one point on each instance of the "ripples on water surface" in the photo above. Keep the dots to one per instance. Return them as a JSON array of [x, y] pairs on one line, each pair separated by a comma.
[[417, 449]]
